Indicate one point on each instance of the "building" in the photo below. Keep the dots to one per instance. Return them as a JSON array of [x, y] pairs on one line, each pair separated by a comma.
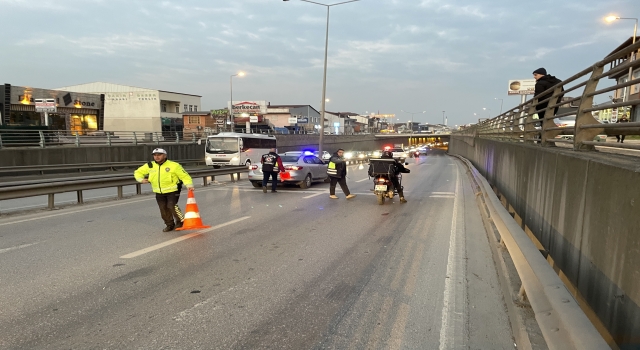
[[80, 112], [622, 77], [200, 124], [293, 117], [129, 108]]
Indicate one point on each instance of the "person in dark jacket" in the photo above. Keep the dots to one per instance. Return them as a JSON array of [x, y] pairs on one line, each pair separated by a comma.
[[398, 168], [337, 171], [544, 82], [271, 164], [624, 119]]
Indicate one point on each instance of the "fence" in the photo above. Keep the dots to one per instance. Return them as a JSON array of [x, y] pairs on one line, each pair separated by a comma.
[[523, 124]]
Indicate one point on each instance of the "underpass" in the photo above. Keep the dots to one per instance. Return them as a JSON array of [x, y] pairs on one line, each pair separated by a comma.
[[288, 270]]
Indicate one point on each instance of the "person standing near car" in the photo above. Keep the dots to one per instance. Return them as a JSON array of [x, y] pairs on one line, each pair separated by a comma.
[[271, 165], [337, 171], [166, 178], [624, 119]]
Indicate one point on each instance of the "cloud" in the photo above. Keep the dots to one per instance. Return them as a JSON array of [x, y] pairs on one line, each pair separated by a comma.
[[110, 44]]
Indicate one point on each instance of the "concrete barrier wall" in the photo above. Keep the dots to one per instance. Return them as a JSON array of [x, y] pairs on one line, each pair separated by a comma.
[[584, 208], [130, 153]]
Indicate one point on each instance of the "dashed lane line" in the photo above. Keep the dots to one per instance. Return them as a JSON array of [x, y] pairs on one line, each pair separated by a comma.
[[180, 239], [17, 247], [314, 195]]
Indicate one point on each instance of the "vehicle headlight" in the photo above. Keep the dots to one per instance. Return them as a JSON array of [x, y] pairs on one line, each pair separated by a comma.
[[235, 159], [360, 155], [348, 155], [403, 155], [209, 158]]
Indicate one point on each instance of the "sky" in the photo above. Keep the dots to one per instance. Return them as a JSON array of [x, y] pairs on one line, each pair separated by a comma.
[[385, 56]]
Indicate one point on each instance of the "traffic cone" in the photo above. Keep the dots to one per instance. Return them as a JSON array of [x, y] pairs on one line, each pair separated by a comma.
[[192, 219]]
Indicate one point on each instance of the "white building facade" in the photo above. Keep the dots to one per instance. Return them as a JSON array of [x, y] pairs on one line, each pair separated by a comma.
[[129, 108]]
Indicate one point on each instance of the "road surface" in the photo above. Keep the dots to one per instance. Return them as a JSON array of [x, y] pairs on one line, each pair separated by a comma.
[[287, 270]]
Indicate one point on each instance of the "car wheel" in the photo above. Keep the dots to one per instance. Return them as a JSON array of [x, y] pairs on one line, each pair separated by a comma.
[[381, 198], [248, 162], [306, 183], [256, 184]]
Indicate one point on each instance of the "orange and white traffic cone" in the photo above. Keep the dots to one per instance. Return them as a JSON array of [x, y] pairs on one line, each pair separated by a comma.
[[192, 219]]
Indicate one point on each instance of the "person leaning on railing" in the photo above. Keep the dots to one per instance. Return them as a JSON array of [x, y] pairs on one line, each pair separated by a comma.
[[543, 83], [166, 179]]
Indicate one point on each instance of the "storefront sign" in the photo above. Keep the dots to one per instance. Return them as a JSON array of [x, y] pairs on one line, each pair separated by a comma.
[[45, 105], [293, 120], [253, 119], [220, 120], [522, 87], [249, 107], [303, 120], [220, 112]]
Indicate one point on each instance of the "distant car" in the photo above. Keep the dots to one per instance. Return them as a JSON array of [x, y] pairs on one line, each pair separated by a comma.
[[375, 154], [325, 155], [422, 150], [569, 120], [399, 154], [304, 168]]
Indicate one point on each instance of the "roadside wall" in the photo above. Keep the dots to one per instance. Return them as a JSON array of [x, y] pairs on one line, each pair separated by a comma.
[[130, 153], [583, 208]]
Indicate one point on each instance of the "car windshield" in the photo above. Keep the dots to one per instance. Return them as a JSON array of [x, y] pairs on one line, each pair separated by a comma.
[[290, 158], [223, 145]]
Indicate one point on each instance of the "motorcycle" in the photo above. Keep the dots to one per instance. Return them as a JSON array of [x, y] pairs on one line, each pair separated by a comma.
[[381, 171]]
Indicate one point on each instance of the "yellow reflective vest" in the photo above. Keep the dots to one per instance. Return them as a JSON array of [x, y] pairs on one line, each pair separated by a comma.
[[163, 178]]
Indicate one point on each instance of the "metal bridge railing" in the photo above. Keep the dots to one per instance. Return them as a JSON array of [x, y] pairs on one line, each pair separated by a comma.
[[529, 123]]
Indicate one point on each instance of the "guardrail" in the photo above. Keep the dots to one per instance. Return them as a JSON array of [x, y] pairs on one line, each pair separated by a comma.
[[82, 166], [563, 323], [119, 181], [523, 123]]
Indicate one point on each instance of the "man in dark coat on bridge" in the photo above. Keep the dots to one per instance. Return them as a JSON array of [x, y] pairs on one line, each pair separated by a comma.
[[544, 82]]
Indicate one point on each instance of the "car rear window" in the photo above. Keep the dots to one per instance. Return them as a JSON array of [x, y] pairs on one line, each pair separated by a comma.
[[397, 150], [290, 159]]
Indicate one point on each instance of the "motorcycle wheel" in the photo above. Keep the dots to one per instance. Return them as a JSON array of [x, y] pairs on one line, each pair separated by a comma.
[[381, 198]]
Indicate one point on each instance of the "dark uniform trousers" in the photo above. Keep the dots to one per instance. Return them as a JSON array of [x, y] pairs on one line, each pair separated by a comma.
[[343, 184], [168, 204]]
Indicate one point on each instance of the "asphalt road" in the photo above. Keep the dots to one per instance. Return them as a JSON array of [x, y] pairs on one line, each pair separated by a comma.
[[288, 270]]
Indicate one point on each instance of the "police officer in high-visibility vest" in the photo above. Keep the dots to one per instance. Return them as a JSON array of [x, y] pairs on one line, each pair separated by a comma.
[[337, 171], [271, 165], [166, 178]]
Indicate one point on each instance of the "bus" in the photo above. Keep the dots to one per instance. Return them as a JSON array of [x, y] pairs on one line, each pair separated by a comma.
[[230, 148]]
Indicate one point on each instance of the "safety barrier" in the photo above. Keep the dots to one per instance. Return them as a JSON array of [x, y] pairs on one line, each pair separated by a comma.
[[52, 188], [563, 323], [523, 123], [48, 138], [41, 169]]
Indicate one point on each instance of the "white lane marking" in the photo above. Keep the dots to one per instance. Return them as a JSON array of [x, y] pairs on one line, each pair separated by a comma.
[[441, 196], [313, 195], [452, 319], [363, 180], [444, 193], [17, 247], [180, 239]]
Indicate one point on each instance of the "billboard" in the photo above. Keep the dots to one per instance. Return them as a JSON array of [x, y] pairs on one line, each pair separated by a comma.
[[522, 87]]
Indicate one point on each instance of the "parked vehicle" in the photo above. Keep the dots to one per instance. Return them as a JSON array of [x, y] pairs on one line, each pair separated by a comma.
[[303, 169]]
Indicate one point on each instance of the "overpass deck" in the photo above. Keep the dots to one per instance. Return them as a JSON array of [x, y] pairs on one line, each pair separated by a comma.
[[288, 270]]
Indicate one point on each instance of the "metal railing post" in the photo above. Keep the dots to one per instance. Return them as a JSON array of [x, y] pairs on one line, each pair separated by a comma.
[[80, 197], [77, 139], [177, 137], [586, 118], [109, 138], [51, 201], [135, 139], [0, 140], [547, 121], [41, 139], [193, 137], [157, 138]]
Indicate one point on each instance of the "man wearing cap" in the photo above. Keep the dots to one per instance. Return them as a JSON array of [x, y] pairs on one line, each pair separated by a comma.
[[543, 83], [165, 177]]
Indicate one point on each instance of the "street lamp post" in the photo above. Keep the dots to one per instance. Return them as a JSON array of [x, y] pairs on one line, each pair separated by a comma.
[[442, 117], [412, 114], [633, 54], [324, 77], [501, 102], [231, 119]]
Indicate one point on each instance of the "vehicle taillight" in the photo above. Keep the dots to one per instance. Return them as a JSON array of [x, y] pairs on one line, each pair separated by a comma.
[[292, 167], [253, 167], [381, 180]]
